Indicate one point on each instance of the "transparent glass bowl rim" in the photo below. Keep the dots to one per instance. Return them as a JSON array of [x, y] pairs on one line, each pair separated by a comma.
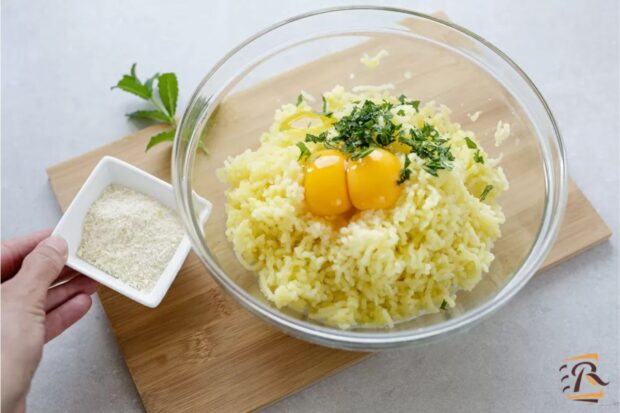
[[553, 212]]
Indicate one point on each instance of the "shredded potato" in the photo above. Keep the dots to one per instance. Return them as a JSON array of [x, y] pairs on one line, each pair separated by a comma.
[[380, 266]]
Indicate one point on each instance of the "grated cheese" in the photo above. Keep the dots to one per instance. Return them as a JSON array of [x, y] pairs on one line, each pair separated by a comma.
[[502, 132], [372, 62], [474, 117], [372, 88], [130, 236], [308, 97]]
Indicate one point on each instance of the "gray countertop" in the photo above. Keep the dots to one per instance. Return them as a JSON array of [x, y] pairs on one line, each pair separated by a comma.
[[59, 59]]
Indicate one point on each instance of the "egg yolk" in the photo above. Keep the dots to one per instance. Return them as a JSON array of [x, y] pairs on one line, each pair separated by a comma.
[[325, 183], [372, 180]]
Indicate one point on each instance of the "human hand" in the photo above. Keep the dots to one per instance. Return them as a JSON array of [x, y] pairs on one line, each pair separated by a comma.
[[32, 312]]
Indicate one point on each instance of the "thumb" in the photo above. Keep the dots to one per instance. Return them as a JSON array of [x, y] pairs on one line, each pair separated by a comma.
[[43, 265]]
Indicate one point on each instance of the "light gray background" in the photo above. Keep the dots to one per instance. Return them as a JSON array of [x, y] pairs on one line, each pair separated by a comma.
[[59, 59]]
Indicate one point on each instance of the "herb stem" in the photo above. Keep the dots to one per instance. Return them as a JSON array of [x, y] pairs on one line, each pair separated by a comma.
[[485, 192], [161, 108]]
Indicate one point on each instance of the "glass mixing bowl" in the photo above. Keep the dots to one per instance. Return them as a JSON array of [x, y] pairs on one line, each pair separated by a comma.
[[429, 59]]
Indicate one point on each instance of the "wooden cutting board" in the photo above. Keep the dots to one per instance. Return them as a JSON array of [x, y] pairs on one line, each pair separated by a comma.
[[199, 351]]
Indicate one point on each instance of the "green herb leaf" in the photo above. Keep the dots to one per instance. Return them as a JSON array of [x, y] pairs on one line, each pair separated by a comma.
[[428, 145], [400, 112], [444, 305], [430, 170], [304, 151], [131, 84], [164, 104], [150, 115], [478, 157], [316, 139], [368, 124], [325, 112], [403, 101], [161, 137], [485, 192], [300, 98], [470, 144], [405, 173], [361, 154], [168, 91], [149, 82]]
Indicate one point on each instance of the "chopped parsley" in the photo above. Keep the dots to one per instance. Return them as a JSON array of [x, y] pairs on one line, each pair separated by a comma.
[[405, 173], [472, 145], [403, 101], [300, 98], [444, 305], [485, 192], [400, 112], [429, 146], [325, 112], [478, 157], [329, 145], [316, 138], [304, 151], [370, 125], [361, 154]]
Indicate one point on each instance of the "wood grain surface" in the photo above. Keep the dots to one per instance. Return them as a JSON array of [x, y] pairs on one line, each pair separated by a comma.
[[200, 351]]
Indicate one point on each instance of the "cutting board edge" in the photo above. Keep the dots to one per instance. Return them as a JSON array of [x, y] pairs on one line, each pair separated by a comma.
[[363, 356], [604, 238]]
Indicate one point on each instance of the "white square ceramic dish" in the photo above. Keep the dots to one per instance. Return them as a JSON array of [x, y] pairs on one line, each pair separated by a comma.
[[108, 171]]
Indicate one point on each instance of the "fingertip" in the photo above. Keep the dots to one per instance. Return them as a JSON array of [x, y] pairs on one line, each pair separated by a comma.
[[44, 264], [83, 301]]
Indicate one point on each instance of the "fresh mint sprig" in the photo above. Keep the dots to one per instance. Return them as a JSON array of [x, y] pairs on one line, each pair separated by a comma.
[[163, 99]]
